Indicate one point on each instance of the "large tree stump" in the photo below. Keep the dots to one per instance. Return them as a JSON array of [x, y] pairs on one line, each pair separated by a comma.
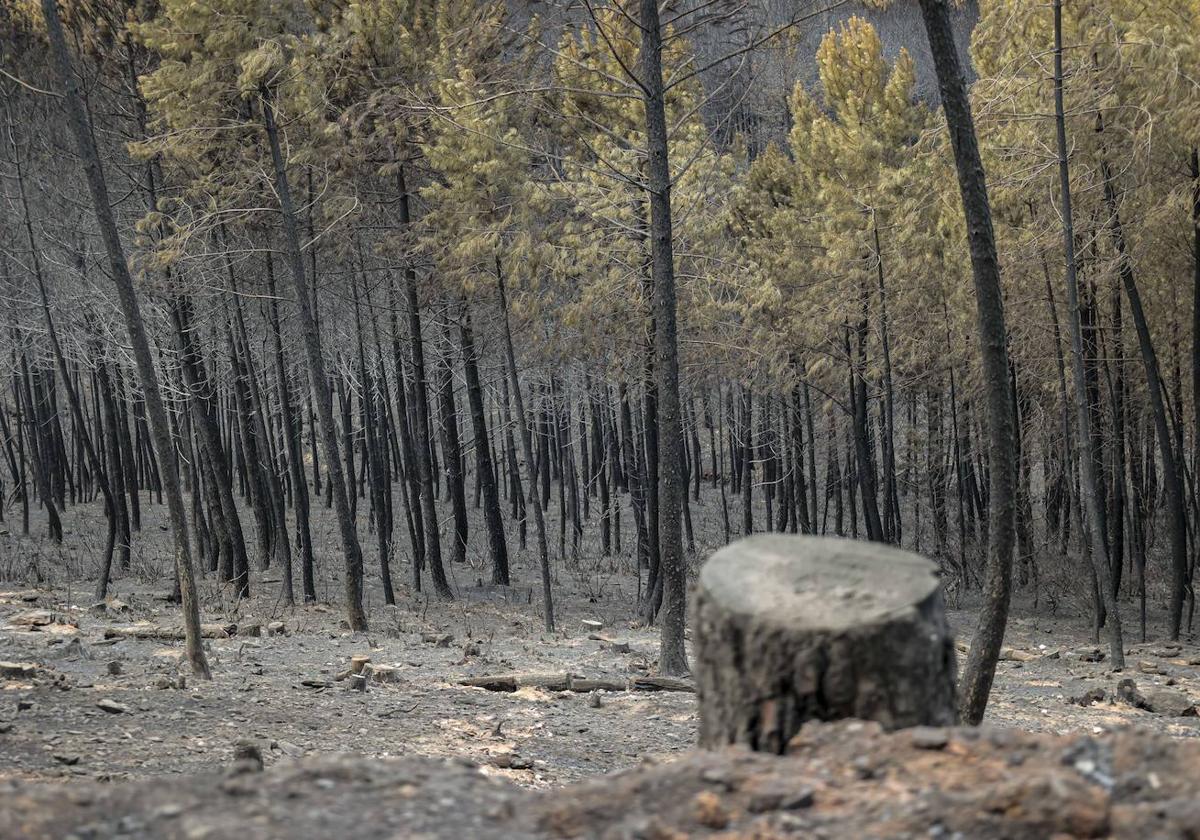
[[790, 629]]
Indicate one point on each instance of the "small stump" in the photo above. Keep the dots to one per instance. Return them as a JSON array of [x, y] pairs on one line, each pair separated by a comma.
[[790, 629]]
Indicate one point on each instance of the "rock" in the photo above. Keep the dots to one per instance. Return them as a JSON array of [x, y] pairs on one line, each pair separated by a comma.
[[1169, 702], [594, 699], [18, 670], [1127, 692], [114, 667], [511, 761], [254, 630], [57, 630], [1147, 667], [69, 759], [781, 798], [247, 757], [289, 749], [32, 619], [276, 628], [708, 810], [384, 674], [112, 707], [929, 737], [169, 810], [441, 640], [1088, 654], [612, 645], [591, 625], [1087, 698], [75, 648]]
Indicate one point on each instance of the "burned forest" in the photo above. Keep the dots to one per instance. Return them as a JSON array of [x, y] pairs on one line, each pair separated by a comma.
[[599, 418]]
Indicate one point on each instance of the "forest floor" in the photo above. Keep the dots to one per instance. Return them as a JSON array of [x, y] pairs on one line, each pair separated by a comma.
[[127, 708]]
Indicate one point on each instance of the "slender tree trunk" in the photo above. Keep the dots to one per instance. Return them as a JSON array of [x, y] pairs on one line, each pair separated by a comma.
[[411, 477], [863, 439], [452, 454], [113, 455], [73, 401], [196, 381], [1195, 173], [272, 485], [672, 656], [301, 499], [378, 479], [985, 648], [747, 461], [1172, 479], [160, 429], [351, 550], [1091, 495], [110, 508], [893, 530], [539, 518], [421, 431], [485, 474]]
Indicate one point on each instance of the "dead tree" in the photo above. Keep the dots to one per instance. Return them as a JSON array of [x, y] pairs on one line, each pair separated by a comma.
[[790, 629]]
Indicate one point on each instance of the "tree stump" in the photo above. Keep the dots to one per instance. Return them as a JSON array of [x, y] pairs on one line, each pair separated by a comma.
[[790, 629]]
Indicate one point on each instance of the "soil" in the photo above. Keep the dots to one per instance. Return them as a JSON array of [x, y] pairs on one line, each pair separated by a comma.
[[282, 692], [838, 780]]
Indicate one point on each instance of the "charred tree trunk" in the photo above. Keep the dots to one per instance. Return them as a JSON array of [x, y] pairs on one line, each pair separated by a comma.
[[1091, 494], [527, 445], [791, 629], [993, 338], [102, 206], [421, 432], [672, 658], [319, 380]]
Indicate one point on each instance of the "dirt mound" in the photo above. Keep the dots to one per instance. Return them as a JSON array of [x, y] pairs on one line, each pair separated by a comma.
[[839, 780]]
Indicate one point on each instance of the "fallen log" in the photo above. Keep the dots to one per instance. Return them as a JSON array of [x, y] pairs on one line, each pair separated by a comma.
[[583, 685], [555, 681], [658, 683], [563, 681], [167, 634]]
